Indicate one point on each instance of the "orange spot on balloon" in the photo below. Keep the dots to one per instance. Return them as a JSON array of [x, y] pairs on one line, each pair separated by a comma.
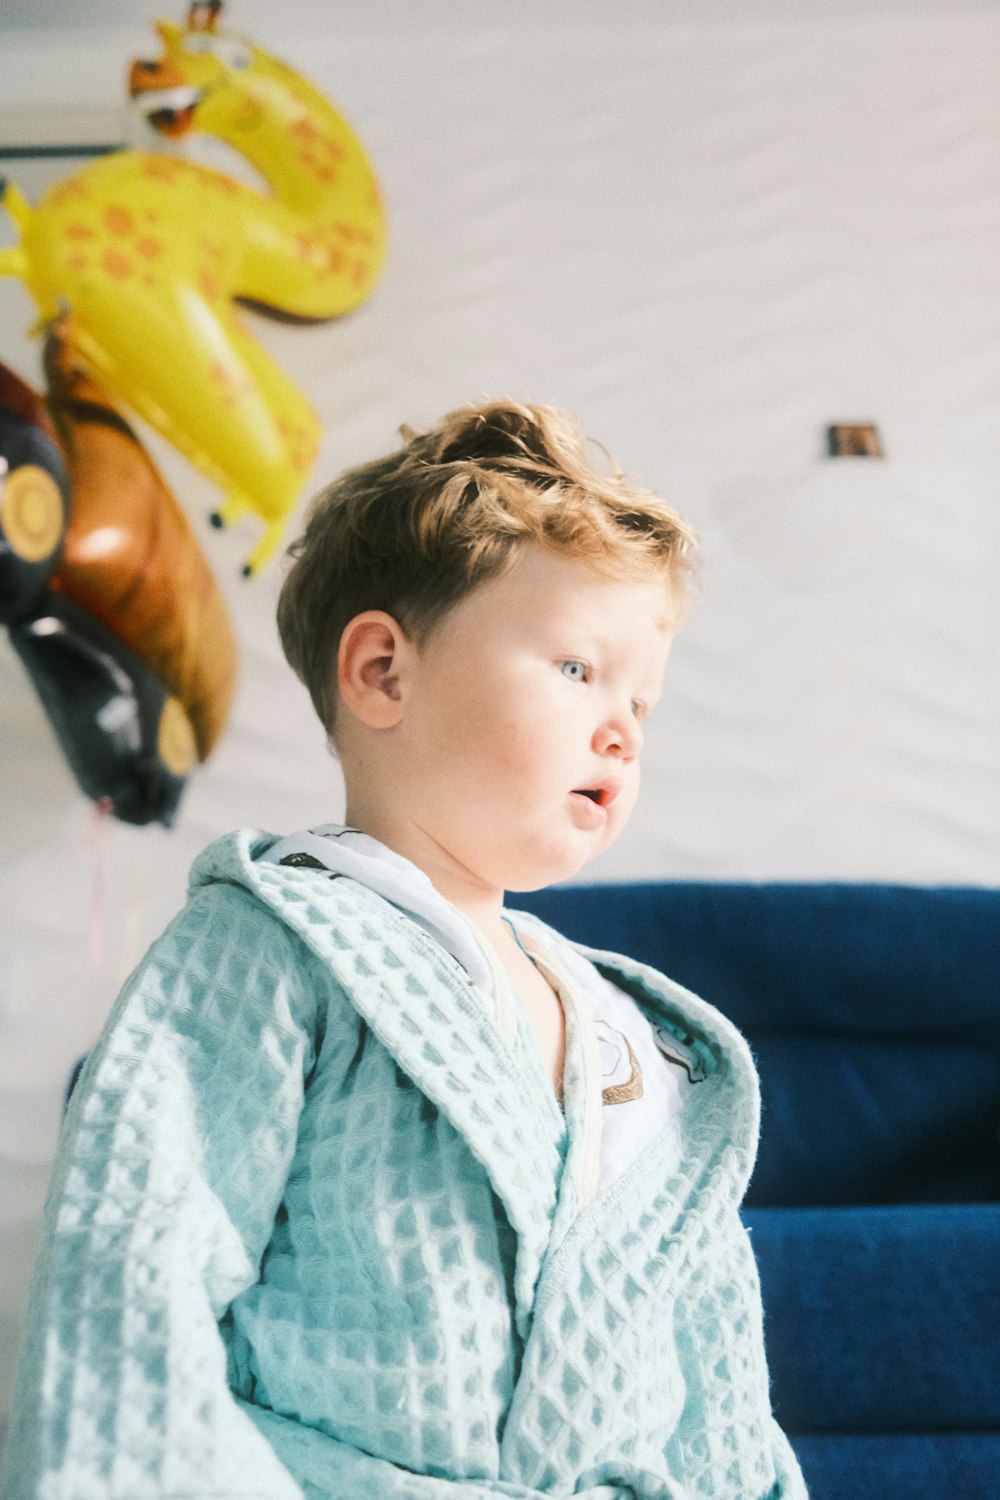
[[118, 220], [223, 378], [161, 168], [63, 191], [79, 232], [250, 111], [77, 262], [234, 382], [209, 284], [335, 259], [118, 266], [149, 248]]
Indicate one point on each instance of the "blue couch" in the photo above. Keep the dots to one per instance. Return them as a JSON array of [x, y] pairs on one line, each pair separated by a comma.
[[874, 1211]]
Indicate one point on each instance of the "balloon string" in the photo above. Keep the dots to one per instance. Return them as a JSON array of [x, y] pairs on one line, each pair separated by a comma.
[[130, 953], [96, 833]]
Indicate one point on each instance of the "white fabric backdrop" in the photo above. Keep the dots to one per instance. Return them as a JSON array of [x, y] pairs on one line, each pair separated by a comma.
[[709, 239]]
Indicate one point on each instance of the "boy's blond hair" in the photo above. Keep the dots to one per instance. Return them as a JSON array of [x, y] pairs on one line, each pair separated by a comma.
[[414, 532]]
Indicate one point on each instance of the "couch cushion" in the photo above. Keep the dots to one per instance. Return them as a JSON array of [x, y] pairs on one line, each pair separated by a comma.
[[881, 1319], [901, 1466], [865, 1119]]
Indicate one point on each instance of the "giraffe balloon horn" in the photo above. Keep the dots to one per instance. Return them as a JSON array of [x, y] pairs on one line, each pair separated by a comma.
[[203, 15]]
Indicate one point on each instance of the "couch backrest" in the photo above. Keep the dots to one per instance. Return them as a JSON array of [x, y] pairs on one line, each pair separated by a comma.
[[873, 1011]]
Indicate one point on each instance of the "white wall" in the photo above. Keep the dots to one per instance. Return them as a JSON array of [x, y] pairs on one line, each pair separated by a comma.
[[709, 237]]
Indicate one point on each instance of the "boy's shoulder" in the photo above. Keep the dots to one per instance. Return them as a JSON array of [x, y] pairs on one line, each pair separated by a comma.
[[231, 857], [353, 928]]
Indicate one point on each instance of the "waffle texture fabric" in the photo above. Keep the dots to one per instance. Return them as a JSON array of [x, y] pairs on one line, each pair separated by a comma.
[[313, 1232]]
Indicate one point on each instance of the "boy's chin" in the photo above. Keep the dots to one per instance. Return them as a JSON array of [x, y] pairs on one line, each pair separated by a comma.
[[553, 874]]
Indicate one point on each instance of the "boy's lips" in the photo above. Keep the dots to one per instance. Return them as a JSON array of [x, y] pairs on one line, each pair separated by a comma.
[[600, 794]]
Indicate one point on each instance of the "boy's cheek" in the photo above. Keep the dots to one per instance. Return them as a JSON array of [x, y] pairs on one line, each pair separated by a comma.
[[627, 799]]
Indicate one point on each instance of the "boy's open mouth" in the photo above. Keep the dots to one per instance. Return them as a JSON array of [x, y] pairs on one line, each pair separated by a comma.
[[603, 794]]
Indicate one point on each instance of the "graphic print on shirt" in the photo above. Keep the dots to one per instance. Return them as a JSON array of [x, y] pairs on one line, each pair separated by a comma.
[[620, 1070], [303, 862], [681, 1050]]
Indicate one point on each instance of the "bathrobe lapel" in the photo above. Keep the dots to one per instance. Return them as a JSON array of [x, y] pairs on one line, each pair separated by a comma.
[[636, 1241], [704, 1166], [723, 1104]]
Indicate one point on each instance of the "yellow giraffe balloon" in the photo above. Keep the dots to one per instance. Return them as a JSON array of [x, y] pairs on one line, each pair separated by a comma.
[[149, 255]]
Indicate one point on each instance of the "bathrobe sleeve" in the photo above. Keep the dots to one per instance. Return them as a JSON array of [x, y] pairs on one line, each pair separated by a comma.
[[175, 1152]]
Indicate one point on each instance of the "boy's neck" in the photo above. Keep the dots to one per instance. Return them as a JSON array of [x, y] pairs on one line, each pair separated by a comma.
[[480, 904]]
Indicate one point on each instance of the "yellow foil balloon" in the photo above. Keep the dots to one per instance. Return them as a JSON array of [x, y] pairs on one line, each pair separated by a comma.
[[150, 253]]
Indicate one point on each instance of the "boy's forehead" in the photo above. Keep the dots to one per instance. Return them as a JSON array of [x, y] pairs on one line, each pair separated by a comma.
[[562, 571], [626, 623], [611, 603], [544, 591]]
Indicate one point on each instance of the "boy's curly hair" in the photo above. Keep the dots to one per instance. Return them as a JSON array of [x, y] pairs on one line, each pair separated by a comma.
[[414, 532]]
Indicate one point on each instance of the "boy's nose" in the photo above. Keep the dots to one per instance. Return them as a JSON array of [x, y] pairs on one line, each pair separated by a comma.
[[620, 734]]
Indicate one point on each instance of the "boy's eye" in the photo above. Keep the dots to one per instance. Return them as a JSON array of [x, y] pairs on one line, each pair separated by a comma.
[[576, 671], [639, 708]]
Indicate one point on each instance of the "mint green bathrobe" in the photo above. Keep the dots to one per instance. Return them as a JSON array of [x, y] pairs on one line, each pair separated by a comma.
[[316, 1230]]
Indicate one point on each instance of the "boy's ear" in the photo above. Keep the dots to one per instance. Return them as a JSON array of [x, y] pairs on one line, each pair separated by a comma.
[[371, 664]]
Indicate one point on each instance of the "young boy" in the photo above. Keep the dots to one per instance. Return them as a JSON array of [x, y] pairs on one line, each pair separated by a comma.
[[373, 1187]]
